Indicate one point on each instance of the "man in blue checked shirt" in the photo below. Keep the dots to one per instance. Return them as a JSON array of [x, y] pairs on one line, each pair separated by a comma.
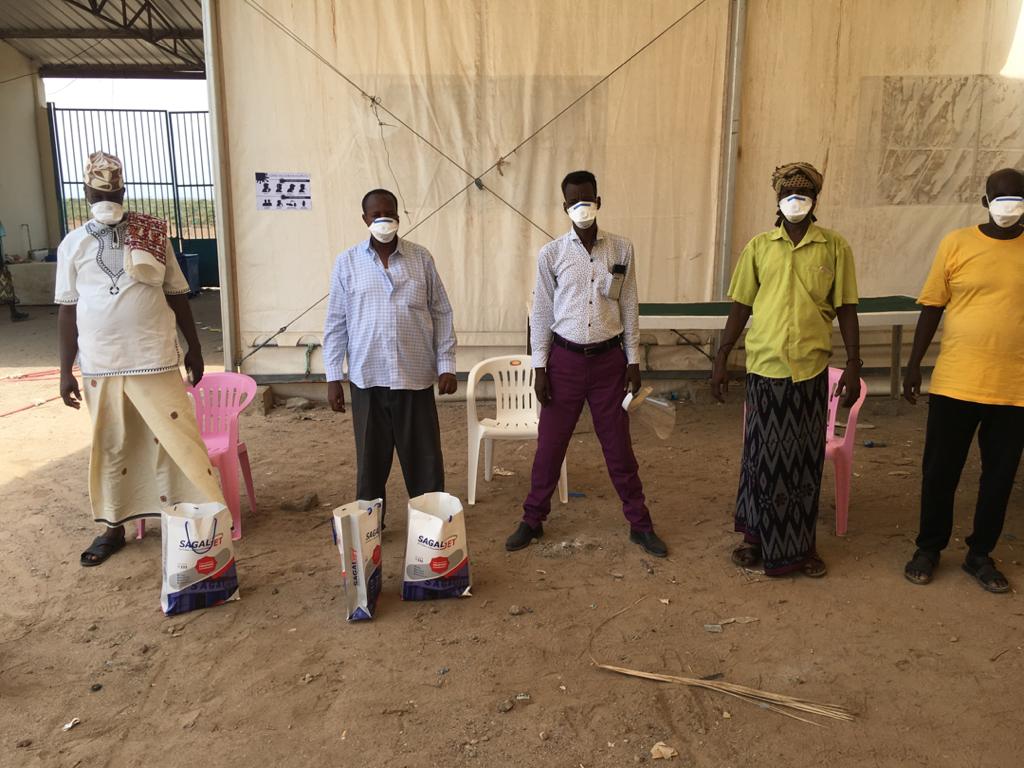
[[388, 313]]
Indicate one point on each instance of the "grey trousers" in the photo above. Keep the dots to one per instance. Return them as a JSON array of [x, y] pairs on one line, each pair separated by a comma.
[[388, 419]]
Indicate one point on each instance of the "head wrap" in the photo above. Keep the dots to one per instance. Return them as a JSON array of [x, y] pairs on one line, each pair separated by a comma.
[[797, 177], [104, 172]]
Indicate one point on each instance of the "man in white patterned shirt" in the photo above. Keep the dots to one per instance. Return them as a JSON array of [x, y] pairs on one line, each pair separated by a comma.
[[122, 298], [585, 332], [388, 313]]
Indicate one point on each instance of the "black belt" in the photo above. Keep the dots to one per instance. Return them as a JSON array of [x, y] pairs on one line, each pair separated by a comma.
[[587, 350]]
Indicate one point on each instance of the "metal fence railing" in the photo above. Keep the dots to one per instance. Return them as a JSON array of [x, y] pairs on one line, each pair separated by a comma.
[[166, 158], [193, 174]]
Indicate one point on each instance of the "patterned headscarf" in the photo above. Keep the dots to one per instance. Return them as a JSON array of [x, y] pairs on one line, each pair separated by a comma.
[[797, 177], [104, 172]]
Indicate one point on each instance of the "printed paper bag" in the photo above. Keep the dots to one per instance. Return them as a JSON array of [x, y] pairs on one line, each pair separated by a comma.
[[436, 551], [199, 559], [357, 535]]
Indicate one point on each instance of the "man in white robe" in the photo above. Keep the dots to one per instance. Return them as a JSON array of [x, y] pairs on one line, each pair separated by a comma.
[[121, 295]]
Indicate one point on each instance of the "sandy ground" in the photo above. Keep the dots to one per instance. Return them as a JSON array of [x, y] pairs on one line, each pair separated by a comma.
[[281, 679]]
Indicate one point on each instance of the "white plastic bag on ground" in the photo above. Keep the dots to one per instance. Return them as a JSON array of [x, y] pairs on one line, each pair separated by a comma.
[[357, 535], [199, 559], [436, 550]]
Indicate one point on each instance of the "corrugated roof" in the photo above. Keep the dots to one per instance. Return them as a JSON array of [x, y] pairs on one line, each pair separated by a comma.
[[79, 38]]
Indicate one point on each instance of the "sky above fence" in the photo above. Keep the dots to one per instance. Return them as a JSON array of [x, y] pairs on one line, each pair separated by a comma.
[[92, 93]]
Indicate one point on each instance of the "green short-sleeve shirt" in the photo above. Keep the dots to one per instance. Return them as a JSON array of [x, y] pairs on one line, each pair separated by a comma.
[[794, 292]]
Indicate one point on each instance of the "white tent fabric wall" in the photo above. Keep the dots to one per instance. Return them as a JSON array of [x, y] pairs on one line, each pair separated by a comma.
[[900, 104], [475, 78]]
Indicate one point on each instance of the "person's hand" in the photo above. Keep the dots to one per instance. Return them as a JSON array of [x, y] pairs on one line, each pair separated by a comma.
[[447, 384], [848, 386], [720, 378], [912, 384], [336, 396], [194, 365], [633, 378], [542, 386], [69, 392]]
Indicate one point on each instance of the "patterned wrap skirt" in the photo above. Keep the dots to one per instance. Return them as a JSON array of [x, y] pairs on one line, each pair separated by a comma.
[[780, 475]]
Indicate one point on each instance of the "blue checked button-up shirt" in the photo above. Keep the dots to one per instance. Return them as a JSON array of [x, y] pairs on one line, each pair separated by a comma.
[[394, 325]]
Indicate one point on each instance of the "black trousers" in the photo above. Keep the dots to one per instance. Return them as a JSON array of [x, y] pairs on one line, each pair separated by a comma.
[[951, 427], [404, 419]]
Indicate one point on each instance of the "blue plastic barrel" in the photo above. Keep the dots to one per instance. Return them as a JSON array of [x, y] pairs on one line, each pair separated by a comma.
[[190, 267]]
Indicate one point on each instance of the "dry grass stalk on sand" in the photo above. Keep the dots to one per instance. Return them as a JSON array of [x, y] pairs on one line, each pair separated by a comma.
[[777, 702]]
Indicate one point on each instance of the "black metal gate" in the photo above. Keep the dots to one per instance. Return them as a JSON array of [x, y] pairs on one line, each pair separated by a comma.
[[167, 168]]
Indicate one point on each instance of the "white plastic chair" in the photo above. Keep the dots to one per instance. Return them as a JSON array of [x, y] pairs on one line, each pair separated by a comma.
[[516, 419]]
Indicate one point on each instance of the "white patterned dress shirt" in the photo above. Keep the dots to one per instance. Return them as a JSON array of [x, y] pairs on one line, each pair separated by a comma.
[[125, 328], [394, 325], [570, 297]]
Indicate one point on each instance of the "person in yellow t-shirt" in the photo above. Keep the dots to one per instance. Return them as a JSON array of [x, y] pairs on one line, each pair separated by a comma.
[[977, 282], [794, 279]]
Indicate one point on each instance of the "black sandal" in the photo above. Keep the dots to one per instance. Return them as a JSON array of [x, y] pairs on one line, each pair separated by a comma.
[[984, 571], [814, 567], [747, 556], [919, 569], [100, 550]]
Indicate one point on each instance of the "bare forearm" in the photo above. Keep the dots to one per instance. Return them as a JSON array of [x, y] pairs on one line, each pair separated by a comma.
[[67, 336], [927, 324], [739, 314], [849, 327], [183, 317]]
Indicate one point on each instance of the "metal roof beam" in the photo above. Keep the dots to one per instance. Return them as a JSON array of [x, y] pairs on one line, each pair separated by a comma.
[[140, 21], [99, 34], [143, 71]]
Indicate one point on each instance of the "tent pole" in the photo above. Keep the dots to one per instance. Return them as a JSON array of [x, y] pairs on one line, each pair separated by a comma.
[[734, 87], [222, 185]]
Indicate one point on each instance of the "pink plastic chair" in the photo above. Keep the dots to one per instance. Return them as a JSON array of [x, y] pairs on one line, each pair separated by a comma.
[[839, 450], [219, 398]]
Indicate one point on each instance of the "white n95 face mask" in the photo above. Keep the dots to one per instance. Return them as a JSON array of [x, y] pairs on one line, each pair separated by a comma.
[[583, 214], [795, 208], [107, 212], [1006, 211], [384, 229]]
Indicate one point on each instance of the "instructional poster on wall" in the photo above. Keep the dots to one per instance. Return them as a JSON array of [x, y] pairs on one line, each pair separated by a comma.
[[283, 191]]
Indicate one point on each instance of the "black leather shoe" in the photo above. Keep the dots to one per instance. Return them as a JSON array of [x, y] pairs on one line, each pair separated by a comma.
[[650, 542], [523, 536]]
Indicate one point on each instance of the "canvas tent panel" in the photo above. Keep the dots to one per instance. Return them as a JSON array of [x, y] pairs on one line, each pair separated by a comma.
[[473, 79], [900, 104], [902, 107]]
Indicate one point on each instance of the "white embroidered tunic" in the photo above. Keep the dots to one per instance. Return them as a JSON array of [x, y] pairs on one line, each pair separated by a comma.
[[124, 327]]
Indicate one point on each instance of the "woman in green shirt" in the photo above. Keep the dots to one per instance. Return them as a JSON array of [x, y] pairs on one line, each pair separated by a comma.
[[794, 280]]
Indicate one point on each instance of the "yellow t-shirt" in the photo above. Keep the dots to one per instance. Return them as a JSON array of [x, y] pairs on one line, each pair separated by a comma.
[[980, 282], [794, 292]]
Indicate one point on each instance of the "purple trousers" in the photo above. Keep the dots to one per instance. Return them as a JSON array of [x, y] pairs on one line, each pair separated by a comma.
[[599, 381]]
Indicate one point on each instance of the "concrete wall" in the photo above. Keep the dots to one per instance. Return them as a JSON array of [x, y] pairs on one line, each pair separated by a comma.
[[22, 197]]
